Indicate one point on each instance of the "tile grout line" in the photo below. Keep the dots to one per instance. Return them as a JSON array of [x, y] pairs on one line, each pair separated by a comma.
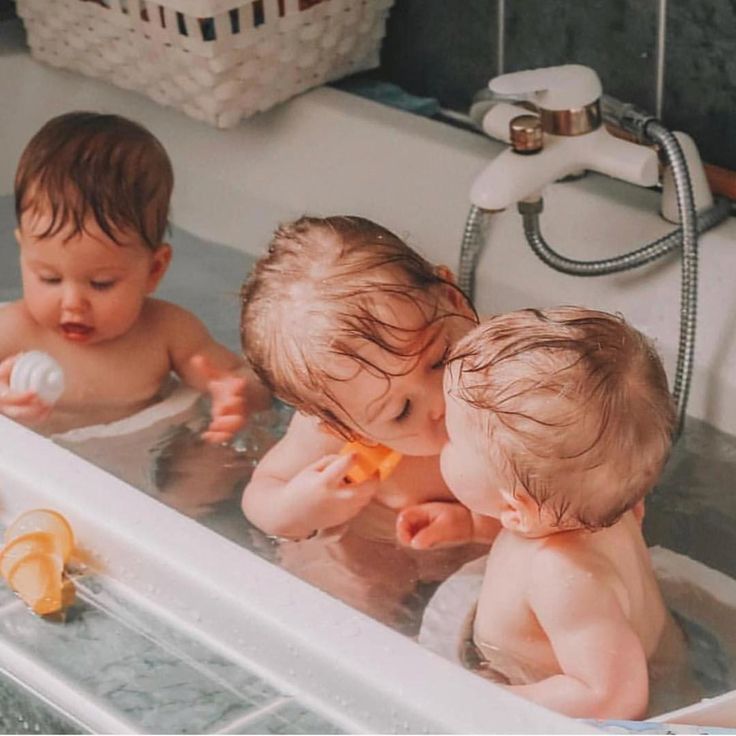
[[501, 36], [661, 50], [255, 714]]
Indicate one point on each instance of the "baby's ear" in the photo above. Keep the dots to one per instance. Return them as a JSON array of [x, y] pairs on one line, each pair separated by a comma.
[[159, 265], [454, 295], [519, 512], [445, 273]]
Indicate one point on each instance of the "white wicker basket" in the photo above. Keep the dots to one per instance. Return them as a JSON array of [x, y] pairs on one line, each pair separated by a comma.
[[217, 60]]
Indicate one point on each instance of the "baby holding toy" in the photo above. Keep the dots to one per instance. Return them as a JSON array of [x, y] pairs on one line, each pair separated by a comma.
[[559, 422], [92, 196], [345, 322]]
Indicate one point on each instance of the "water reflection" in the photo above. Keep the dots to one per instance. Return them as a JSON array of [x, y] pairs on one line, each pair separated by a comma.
[[359, 563], [693, 508], [692, 511]]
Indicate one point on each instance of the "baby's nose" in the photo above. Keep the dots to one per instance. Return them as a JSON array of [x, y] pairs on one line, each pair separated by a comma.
[[437, 406], [72, 298]]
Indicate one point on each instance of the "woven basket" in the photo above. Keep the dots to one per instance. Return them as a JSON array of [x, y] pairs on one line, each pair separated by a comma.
[[217, 60]]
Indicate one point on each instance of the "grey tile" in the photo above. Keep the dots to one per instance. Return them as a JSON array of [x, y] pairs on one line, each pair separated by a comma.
[[23, 712], [700, 75], [99, 593], [131, 675], [617, 39], [12, 36], [441, 49], [292, 718]]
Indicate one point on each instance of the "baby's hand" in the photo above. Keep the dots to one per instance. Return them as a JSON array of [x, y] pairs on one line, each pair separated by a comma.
[[434, 524], [327, 499], [25, 406], [227, 391]]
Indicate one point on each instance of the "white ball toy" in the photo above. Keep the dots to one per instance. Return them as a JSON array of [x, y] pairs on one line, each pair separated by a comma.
[[38, 372]]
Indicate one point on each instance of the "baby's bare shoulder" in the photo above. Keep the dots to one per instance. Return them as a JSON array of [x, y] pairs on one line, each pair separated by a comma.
[[166, 313], [169, 321], [303, 444], [17, 328], [568, 557], [304, 432]]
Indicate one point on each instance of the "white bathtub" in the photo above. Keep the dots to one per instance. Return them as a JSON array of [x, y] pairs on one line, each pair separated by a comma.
[[324, 153]]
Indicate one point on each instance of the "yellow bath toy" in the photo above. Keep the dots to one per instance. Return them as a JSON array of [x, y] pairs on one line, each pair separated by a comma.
[[37, 546], [369, 460]]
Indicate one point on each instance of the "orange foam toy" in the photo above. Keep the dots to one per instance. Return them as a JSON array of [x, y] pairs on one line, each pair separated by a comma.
[[369, 460], [37, 546]]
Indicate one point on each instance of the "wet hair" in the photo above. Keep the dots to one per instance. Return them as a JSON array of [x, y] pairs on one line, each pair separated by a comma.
[[86, 164], [574, 403], [320, 294]]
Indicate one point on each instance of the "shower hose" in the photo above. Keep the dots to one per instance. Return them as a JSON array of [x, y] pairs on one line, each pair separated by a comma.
[[647, 129]]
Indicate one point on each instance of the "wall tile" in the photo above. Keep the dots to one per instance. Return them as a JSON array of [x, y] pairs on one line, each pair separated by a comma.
[[7, 10], [441, 49], [617, 39], [700, 75]]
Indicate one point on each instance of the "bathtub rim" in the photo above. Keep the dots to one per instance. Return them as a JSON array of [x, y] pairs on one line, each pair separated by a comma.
[[398, 687]]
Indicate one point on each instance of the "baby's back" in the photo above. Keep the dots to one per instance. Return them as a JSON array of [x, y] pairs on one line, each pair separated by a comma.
[[507, 630]]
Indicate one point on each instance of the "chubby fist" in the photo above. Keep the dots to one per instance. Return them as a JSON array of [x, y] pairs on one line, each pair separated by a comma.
[[24, 406], [434, 524], [324, 494]]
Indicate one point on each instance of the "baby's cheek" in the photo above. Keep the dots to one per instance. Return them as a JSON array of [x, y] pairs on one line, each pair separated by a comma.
[[446, 465]]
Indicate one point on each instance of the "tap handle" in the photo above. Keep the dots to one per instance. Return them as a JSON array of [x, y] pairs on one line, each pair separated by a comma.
[[567, 87]]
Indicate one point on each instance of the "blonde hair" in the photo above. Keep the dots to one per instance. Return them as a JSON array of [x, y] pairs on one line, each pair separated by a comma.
[[574, 402], [315, 297], [86, 164]]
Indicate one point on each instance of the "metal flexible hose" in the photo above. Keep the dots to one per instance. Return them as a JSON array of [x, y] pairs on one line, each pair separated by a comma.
[[470, 249], [689, 279], [641, 256]]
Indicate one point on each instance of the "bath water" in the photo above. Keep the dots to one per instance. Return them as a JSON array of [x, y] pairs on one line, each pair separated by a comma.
[[692, 511]]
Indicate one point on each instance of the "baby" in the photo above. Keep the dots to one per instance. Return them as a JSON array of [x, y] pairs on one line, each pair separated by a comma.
[[345, 322], [92, 198], [559, 423]]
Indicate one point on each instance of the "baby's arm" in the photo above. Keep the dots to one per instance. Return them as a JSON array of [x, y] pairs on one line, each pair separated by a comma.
[[298, 487], [442, 524], [202, 362], [603, 662]]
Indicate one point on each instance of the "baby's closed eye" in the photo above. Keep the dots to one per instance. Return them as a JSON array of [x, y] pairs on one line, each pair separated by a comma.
[[405, 411], [102, 285]]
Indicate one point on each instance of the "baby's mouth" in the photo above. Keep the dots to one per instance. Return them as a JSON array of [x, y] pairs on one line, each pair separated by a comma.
[[76, 330]]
